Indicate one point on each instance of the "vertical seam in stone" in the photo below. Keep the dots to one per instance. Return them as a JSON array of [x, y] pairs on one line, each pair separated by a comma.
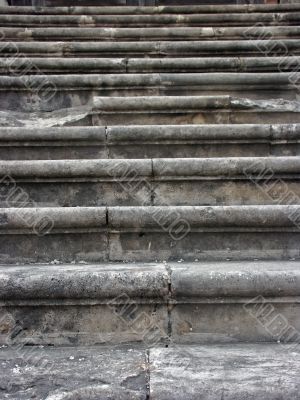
[[271, 140], [169, 303], [240, 64], [107, 149], [126, 65], [107, 235], [148, 372], [152, 185], [214, 33]]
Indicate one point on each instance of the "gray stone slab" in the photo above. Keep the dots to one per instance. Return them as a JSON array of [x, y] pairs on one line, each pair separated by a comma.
[[132, 49], [230, 372], [84, 323], [102, 282], [89, 373], [246, 279], [137, 65], [257, 319], [148, 27], [183, 8], [68, 246], [203, 246]]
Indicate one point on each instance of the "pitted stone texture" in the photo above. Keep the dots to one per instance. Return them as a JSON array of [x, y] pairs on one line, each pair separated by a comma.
[[103, 283], [68, 323], [232, 372], [239, 320], [89, 373]]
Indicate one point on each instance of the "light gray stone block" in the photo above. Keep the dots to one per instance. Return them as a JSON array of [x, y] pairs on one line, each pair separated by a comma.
[[210, 372]]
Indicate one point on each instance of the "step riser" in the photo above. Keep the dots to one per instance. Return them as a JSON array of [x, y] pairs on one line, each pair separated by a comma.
[[148, 246], [155, 141], [177, 193], [96, 151], [122, 65], [156, 303], [195, 118], [75, 108], [163, 118], [260, 48], [64, 324], [167, 9], [149, 233], [268, 20]]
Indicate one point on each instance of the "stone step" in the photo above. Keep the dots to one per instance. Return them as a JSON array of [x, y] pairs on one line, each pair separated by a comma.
[[144, 20], [95, 234], [158, 182], [52, 65], [88, 3], [141, 34], [217, 109], [150, 303], [221, 81], [167, 9], [152, 141], [240, 371], [205, 109], [262, 370], [187, 48]]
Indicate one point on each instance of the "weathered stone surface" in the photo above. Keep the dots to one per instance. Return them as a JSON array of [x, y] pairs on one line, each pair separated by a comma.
[[176, 104], [104, 282], [96, 234], [79, 28], [235, 217], [137, 65], [152, 141], [247, 279], [52, 217], [123, 372], [114, 303], [109, 169], [181, 9], [208, 81], [66, 323], [91, 373], [234, 371], [88, 373], [252, 320], [185, 181], [148, 48], [240, 245]]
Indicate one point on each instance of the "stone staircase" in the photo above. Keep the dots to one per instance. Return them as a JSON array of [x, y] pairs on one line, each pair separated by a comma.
[[150, 202]]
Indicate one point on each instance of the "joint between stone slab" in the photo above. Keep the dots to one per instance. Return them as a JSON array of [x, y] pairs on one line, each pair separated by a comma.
[[147, 373], [107, 149], [126, 61], [169, 302]]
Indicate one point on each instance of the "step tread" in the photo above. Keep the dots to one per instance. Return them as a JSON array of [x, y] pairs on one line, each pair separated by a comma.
[[168, 9], [147, 282], [110, 65], [235, 217], [134, 372], [133, 169]]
